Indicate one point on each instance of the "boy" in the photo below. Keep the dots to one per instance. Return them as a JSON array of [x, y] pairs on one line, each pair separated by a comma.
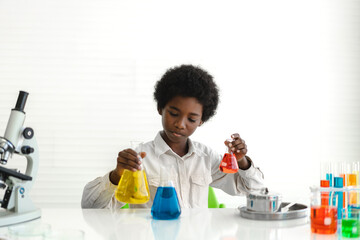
[[186, 97]]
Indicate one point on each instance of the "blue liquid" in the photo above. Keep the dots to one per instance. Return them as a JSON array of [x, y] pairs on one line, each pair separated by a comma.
[[329, 177], [166, 204], [338, 183]]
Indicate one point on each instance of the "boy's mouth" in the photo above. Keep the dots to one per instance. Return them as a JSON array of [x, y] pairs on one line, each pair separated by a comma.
[[177, 134]]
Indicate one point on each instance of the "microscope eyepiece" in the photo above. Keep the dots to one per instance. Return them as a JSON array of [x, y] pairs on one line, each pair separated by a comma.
[[21, 101]]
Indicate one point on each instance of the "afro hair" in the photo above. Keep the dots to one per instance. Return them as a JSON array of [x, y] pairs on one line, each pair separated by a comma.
[[188, 81]]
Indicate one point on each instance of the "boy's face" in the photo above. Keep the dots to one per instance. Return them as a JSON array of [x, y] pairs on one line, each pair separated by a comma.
[[180, 118]]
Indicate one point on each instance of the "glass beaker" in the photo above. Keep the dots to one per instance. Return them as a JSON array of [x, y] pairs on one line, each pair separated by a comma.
[[350, 225], [166, 203], [133, 187], [323, 214], [229, 162]]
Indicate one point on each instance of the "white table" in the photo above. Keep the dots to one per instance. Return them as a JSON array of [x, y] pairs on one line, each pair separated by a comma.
[[137, 224]]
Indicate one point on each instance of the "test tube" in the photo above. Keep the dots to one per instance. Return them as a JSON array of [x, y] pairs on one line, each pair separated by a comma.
[[338, 183], [340, 169], [324, 195], [355, 169], [326, 172], [351, 181], [342, 172]]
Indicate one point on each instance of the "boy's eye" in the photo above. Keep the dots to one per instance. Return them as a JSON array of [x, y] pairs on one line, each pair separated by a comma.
[[172, 114], [192, 120]]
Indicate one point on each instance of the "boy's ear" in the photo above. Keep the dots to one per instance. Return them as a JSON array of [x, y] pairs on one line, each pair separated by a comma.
[[160, 111], [201, 123]]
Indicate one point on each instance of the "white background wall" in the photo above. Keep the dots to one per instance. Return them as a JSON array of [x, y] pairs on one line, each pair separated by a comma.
[[288, 73]]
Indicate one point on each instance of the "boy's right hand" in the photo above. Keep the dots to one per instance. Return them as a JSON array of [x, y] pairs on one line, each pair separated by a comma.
[[127, 159]]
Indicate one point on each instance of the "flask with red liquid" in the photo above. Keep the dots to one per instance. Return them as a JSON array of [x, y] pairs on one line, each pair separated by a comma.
[[229, 163]]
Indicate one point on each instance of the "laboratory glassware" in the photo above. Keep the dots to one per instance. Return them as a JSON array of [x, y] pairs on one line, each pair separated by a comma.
[[133, 187], [338, 183], [326, 172], [323, 217], [351, 182], [324, 200], [166, 203], [350, 224], [229, 162]]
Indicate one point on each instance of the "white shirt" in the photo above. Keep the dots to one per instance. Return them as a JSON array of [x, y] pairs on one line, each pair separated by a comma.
[[191, 174]]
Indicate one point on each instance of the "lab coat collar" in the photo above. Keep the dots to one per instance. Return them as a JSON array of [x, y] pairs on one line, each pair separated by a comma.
[[161, 147]]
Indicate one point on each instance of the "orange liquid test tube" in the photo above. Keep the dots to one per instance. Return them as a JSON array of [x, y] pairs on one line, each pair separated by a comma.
[[324, 195], [342, 175]]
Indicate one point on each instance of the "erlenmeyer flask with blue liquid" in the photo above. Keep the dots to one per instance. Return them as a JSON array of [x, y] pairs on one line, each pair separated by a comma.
[[166, 203]]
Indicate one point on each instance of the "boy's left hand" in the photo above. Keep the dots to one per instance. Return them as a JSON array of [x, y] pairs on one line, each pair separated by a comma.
[[239, 148]]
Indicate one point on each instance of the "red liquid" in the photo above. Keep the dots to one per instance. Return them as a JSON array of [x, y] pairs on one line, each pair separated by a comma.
[[323, 219], [229, 163], [324, 195], [344, 184]]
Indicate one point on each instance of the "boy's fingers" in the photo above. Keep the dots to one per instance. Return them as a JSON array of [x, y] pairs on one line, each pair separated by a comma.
[[128, 163], [235, 135], [128, 153]]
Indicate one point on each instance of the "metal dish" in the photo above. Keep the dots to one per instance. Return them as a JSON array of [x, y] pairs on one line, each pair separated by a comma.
[[296, 211], [263, 202]]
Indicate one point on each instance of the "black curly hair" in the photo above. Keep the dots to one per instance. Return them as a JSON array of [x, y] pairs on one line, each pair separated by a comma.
[[188, 81]]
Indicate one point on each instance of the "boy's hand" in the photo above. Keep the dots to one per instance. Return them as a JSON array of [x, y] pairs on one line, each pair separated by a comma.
[[239, 148], [127, 159]]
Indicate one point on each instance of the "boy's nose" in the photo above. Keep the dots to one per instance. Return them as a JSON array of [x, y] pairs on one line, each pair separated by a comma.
[[180, 123]]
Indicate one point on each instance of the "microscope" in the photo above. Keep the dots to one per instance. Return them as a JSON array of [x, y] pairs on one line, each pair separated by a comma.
[[16, 205]]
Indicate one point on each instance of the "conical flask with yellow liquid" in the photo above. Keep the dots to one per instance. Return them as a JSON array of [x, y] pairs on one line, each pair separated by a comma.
[[133, 186]]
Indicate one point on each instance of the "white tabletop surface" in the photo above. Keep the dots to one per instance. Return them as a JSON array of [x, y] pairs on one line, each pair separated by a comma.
[[219, 224]]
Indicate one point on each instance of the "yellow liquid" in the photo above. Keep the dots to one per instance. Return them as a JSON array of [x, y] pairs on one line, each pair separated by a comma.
[[351, 179], [133, 188]]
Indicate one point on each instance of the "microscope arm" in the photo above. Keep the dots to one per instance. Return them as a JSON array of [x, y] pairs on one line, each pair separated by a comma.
[[18, 189]]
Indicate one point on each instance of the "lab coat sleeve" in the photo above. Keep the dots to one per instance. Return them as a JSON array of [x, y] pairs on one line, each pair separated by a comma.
[[250, 180], [99, 193]]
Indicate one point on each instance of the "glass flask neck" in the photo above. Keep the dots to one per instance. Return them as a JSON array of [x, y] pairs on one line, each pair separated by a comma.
[[227, 149], [166, 183], [165, 177], [141, 160]]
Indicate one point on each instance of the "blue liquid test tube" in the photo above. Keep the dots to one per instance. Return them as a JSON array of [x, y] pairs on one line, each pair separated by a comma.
[[329, 177], [338, 183]]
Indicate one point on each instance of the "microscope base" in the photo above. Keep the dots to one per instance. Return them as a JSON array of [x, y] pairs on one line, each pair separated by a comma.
[[9, 218]]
